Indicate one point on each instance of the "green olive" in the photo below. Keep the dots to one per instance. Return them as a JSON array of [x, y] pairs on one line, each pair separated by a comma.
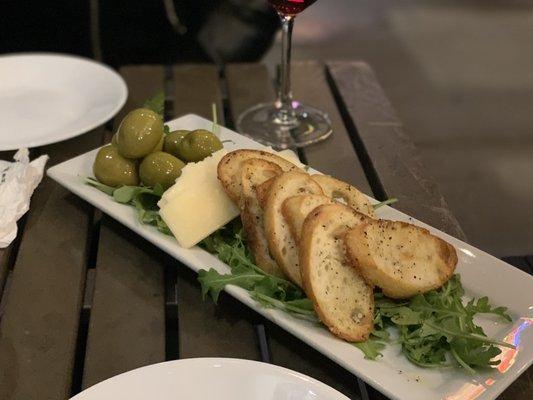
[[160, 167], [159, 146], [139, 133], [172, 140], [111, 169], [198, 145], [114, 140]]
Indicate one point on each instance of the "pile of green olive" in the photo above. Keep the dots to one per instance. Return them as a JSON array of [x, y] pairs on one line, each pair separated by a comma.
[[142, 153]]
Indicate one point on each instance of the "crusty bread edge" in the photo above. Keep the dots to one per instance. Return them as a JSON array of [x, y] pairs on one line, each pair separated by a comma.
[[311, 222], [448, 252]]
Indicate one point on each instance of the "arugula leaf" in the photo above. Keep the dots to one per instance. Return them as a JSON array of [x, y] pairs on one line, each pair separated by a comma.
[[156, 103], [100, 186], [385, 203], [436, 327], [271, 291], [482, 306], [405, 316], [302, 308], [474, 354], [381, 334], [126, 194], [213, 282], [143, 198], [371, 348]]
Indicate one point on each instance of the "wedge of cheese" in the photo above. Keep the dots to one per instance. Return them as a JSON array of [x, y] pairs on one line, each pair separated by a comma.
[[197, 205]]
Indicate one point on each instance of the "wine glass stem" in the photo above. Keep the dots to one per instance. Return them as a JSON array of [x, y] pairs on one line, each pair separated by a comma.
[[286, 114]]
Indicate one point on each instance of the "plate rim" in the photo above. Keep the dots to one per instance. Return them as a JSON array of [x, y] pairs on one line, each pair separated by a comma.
[[122, 97], [210, 360]]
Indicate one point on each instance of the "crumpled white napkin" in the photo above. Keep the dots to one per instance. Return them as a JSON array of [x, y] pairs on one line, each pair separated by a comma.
[[18, 180]]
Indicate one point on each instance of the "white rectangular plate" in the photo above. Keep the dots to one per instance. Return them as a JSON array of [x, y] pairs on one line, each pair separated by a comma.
[[482, 275]]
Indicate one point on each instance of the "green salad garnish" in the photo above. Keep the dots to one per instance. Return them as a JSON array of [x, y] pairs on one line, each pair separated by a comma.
[[144, 199], [436, 329], [271, 291]]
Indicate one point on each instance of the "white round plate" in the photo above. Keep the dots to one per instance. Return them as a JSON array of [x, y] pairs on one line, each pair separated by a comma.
[[208, 379], [47, 98]]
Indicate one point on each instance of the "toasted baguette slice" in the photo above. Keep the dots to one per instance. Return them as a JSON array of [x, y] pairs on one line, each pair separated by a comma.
[[291, 156], [280, 242], [254, 172], [400, 258], [296, 208], [337, 189], [262, 192], [229, 169], [342, 299]]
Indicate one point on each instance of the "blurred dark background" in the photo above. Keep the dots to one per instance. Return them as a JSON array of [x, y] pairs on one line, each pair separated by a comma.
[[140, 31]]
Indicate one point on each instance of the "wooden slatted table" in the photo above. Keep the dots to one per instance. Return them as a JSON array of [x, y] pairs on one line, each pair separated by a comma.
[[84, 299]]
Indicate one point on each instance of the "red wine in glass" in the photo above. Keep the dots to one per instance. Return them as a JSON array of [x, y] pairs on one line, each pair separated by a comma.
[[290, 7]]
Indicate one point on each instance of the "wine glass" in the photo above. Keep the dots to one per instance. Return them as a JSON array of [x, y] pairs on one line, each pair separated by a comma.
[[286, 122]]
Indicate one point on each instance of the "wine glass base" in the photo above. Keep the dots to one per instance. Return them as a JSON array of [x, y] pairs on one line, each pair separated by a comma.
[[263, 124]]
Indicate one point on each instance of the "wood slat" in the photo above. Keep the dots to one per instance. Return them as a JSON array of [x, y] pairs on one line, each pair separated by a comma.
[[127, 322], [39, 326], [205, 329], [289, 352], [530, 262], [5, 255], [520, 263], [209, 330], [336, 155], [248, 85], [195, 89], [521, 389], [389, 157], [143, 82]]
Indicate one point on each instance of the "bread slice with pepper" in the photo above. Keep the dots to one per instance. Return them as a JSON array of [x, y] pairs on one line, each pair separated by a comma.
[[400, 258], [229, 169], [254, 172], [295, 209], [348, 194], [280, 241], [341, 297]]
